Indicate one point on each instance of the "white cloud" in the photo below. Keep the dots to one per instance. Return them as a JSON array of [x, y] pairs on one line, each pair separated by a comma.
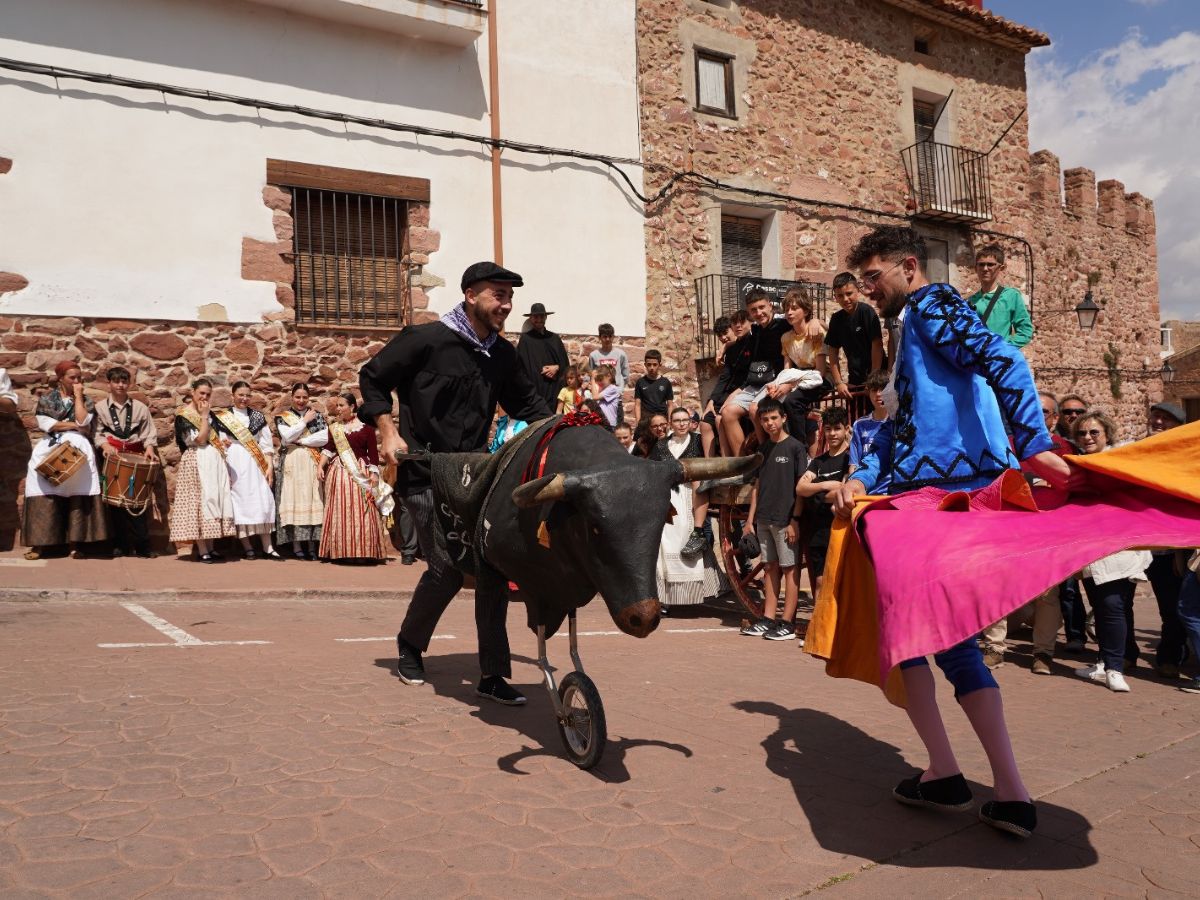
[[1130, 112]]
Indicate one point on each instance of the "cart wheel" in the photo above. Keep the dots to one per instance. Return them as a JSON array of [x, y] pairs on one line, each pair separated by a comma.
[[743, 586], [583, 730]]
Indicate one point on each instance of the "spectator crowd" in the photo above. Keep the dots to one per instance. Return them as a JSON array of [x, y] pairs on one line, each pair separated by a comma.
[[812, 397]]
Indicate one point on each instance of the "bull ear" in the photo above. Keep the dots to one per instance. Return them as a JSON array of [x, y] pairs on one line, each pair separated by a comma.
[[714, 468], [543, 490]]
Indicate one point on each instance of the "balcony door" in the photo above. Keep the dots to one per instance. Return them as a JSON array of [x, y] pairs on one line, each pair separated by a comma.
[[929, 164]]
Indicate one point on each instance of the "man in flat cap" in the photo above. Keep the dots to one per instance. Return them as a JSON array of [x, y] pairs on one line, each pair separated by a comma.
[[542, 355], [448, 377]]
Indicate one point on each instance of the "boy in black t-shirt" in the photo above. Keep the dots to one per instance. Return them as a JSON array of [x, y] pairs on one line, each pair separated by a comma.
[[652, 392], [825, 473], [774, 518], [855, 330]]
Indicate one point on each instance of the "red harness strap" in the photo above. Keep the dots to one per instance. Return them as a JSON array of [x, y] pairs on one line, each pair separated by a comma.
[[536, 467]]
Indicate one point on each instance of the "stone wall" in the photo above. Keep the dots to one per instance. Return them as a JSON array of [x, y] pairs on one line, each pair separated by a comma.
[[1082, 234], [824, 111], [165, 357]]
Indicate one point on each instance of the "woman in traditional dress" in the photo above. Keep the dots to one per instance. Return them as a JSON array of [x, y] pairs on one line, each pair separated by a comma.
[[684, 579], [299, 509], [71, 512], [202, 510], [248, 452], [356, 500]]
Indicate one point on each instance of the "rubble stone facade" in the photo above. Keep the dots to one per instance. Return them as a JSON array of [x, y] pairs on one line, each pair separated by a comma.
[[824, 108]]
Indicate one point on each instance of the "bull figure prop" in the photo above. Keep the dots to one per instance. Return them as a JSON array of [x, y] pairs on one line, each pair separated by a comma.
[[566, 513]]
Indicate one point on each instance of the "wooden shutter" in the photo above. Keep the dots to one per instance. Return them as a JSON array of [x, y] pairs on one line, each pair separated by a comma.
[[741, 246]]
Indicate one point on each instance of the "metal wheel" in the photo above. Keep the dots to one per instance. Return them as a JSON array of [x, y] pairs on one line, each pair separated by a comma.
[[581, 725], [733, 517]]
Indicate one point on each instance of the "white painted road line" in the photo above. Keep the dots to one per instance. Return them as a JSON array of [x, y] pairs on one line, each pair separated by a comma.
[[179, 637]]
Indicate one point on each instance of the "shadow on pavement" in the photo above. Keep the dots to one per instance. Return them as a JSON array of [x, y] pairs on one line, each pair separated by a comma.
[[455, 679], [843, 779]]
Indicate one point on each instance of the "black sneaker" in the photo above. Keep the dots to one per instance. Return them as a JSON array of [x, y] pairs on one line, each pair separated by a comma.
[[759, 628], [784, 631], [1013, 816], [409, 666], [496, 688], [407, 559], [695, 544], [948, 794]]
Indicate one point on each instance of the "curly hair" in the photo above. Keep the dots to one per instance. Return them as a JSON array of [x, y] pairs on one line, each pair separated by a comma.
[[888, 242]]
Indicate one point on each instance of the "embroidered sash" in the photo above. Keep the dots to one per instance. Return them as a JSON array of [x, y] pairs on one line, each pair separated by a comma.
[[381, 495], [290, 419], [193, 419], [244, 437]]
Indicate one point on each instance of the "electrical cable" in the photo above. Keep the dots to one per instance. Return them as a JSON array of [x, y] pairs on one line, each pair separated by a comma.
[[612, 163]]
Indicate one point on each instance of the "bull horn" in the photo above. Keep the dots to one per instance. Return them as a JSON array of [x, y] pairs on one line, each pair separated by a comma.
[[542, 490], [714, 468]]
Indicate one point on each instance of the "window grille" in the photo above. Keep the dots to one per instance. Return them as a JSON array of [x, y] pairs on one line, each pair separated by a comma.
[[349, 251], [714, 83]]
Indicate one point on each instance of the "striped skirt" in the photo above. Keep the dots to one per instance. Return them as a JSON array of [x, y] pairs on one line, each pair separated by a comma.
[[353, 528]]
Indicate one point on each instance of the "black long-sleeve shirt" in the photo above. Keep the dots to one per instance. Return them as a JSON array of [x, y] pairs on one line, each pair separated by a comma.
[[448, 391]]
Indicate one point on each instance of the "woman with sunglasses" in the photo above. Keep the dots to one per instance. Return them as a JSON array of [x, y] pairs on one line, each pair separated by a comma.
[[1111, 581], [649, 432]]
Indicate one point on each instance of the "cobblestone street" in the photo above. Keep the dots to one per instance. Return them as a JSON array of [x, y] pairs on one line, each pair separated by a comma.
[[150, 746]]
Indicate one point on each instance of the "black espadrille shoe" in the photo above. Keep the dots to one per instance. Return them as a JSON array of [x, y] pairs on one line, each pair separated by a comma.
[[1014, 816], [950, 794]]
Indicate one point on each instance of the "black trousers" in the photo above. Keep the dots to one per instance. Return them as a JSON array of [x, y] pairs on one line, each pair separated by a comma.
[[1167, 585], [130, 533], [408, 532], [438, 587], [798, 404]]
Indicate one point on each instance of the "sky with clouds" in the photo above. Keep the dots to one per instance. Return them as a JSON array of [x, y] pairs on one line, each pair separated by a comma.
[[1118, 91]]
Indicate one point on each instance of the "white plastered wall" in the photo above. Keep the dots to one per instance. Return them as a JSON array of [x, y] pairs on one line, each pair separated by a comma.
[[120, 204]]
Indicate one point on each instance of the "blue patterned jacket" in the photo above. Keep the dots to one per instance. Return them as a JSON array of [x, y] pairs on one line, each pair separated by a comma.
[[957, 384]]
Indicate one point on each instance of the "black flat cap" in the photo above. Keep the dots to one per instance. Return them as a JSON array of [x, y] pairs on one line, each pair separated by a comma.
[[1174, 410], [489, 271]]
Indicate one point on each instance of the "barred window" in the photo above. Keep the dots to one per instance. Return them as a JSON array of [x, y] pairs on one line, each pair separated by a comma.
[[349, 258], [350, 243]]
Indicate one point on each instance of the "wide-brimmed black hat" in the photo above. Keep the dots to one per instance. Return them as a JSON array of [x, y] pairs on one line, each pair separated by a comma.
[[489, 271], [538, 309]]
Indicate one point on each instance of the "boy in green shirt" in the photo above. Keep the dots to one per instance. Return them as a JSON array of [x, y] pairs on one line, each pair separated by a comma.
[[1001, 308]]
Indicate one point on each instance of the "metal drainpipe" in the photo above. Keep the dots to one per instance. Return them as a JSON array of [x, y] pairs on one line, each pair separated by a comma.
[[494, 89]]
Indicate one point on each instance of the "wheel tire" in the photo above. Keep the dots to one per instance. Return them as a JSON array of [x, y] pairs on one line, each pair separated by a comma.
[[585, 733]]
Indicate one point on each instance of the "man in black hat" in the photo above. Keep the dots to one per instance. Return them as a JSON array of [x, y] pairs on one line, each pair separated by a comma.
[[543, 356], [448, 377]]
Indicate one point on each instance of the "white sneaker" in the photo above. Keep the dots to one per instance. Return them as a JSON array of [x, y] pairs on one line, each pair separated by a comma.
[[1093, 673], [1116, 682]]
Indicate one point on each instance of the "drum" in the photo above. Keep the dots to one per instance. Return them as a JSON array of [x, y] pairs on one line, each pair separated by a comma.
[[61, 463], [129, 481]]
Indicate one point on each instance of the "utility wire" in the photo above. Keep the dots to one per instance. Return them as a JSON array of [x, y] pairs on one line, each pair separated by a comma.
[[612, 163]]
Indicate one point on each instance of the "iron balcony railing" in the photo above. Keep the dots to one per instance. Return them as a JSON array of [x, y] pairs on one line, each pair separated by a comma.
[[719, 295], [948, 183]]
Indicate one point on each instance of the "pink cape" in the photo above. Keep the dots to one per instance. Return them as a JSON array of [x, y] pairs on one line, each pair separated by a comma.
[[947, 565]]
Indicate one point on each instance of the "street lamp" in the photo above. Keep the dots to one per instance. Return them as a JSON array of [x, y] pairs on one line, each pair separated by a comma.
[[1087, 311], [1168, 372]]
